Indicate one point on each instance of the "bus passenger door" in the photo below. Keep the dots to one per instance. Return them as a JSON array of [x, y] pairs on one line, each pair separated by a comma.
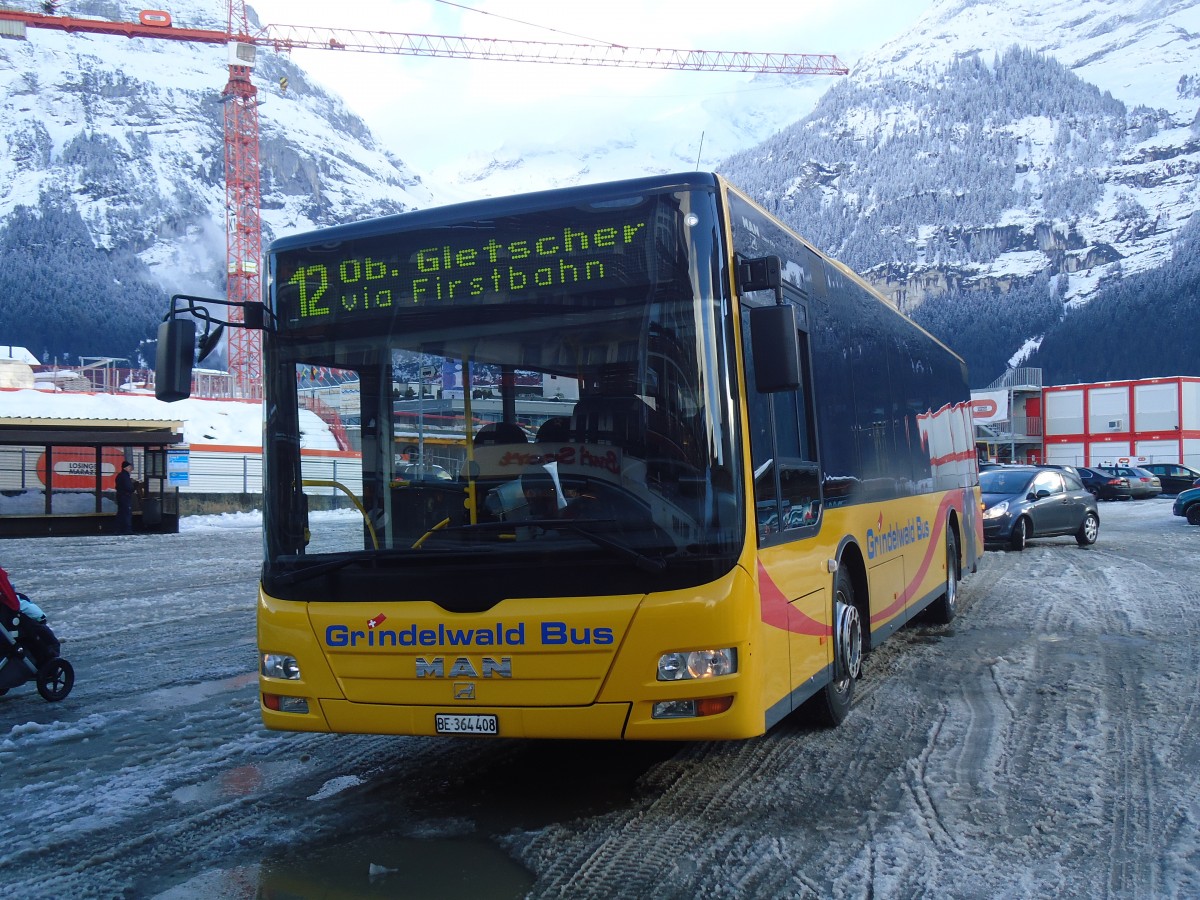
[[787, 482]]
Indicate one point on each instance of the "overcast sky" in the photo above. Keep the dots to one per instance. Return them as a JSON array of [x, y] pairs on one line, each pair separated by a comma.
[[406, 99]]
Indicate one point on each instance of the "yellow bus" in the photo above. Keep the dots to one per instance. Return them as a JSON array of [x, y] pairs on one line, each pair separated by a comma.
[[750, 469]]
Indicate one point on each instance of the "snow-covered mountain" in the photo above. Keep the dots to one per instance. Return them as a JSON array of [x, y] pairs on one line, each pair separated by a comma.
[[995, 147], [1050, 148], [1145, 54], [682, 135], [128, 133], [115, 162]]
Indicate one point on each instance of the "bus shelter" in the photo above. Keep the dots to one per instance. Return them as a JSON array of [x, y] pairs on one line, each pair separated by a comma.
[[58, 477]]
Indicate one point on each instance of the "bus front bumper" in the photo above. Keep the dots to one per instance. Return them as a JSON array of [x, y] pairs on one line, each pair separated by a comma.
[[597, 721]]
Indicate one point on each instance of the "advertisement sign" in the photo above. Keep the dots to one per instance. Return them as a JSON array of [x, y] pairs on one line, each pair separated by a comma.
[[989, 406], [75, 467]]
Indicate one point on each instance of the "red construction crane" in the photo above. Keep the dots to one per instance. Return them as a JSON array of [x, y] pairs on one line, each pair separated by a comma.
[[243, 223]]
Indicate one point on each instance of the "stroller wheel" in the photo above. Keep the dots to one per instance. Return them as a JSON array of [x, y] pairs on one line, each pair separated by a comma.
[[55, 679]]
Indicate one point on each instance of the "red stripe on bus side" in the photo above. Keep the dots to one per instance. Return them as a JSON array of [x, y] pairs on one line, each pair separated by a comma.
[[934, 545], [779, 613]]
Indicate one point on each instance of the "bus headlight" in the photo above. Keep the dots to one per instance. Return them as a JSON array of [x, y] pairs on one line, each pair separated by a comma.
[[280, 665], [693, 664]]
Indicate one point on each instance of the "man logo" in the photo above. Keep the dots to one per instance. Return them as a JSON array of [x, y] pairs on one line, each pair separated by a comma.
[[464, 690], [463, 667]]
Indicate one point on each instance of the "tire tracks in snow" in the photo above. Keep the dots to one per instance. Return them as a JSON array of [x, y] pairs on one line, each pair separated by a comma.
[[1043, 744]]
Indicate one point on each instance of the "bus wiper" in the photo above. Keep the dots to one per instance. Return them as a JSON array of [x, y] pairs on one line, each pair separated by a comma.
[[641, 560], [305, 572]]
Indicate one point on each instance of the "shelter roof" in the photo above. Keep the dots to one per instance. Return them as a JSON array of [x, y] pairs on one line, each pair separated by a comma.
[[74, 424]]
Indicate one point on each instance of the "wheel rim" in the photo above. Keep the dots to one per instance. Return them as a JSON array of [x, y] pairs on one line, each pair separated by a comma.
[[847, 649], [58, 680], [1091, 528], [951, 571], [1019, 533]]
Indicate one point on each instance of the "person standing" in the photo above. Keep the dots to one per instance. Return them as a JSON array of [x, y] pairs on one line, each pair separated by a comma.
[[125, 491]]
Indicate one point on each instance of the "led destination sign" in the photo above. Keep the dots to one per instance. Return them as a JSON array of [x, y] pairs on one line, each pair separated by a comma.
[[379, 276]]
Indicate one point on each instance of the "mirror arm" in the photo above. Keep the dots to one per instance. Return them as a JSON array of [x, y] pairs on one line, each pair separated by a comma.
[[177, 338]]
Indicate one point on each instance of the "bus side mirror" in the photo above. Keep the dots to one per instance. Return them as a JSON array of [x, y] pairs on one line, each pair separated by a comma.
[[173, 359], [775, 349]]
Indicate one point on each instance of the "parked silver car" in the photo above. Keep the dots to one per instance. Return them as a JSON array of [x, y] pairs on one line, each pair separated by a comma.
[[1142, 484]]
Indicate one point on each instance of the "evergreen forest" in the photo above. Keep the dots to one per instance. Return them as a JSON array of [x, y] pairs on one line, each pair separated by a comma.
[[921, 183], [63, 298], [926, 191]]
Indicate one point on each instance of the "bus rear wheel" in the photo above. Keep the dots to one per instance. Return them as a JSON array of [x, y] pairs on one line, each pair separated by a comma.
[[943, 609], [832, 704]]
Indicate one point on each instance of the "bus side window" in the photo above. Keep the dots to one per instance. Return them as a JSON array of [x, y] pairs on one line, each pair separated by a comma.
[[760, 419], [787, 483], [799, 475]]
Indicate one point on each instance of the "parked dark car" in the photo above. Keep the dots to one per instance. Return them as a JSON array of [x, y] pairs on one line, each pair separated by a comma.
[[1023, 502], [1104, 486], [1143, 484], [1174, 477], [1187, 504]]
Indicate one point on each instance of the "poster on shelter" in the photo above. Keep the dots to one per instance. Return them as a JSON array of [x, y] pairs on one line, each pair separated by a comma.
[[177, 468]]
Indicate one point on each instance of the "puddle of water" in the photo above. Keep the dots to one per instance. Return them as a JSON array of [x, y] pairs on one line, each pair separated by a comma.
[[543, 783], [374, 866]]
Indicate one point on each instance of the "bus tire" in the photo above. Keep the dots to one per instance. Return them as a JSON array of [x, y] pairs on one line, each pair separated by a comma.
[[944, 608], [831, 704]]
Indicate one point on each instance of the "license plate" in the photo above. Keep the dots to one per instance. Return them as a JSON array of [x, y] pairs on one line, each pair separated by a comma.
[[448, 723]]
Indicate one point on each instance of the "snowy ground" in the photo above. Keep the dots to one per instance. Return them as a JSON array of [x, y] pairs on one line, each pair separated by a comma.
[[1044, 745]]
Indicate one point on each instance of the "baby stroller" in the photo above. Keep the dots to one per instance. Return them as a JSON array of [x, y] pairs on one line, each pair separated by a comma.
[[29, 650]]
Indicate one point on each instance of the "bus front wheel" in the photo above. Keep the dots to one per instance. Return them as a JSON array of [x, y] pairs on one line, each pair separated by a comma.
[[832, 704]]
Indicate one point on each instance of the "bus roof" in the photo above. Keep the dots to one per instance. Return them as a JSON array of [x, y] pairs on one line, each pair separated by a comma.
[[470, 210]]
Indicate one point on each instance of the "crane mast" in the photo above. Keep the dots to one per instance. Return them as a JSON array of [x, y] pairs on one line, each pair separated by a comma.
[[243, 205], [243, 201]]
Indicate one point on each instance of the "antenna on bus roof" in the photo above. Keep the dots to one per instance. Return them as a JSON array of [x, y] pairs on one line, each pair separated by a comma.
[[698, 152]]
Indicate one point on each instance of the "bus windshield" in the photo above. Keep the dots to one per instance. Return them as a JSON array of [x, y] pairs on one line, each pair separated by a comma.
[[540, 401]]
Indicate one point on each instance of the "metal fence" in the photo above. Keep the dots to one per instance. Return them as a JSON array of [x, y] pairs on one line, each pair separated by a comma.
[[209, 472]]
